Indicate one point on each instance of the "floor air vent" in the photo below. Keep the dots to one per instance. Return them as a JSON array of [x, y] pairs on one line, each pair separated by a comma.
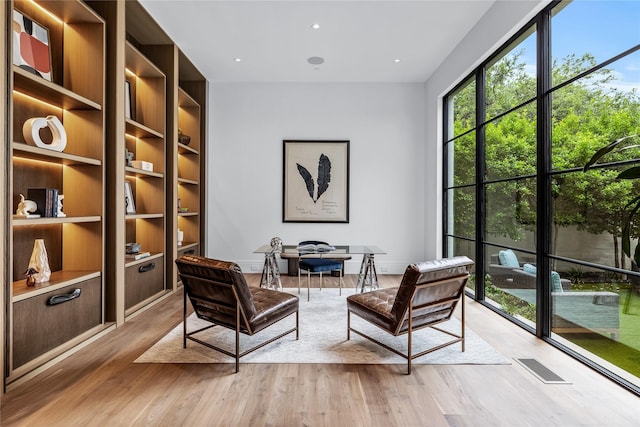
[[543, 373]]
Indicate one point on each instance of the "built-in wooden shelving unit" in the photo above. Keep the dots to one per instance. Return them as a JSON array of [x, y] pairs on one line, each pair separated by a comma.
[[98, 49], [39, 330]]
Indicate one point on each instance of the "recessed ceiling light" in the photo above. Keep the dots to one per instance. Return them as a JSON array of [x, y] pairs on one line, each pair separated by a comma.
[[396, 60], [316, 26], [237, 59], [315, 60]]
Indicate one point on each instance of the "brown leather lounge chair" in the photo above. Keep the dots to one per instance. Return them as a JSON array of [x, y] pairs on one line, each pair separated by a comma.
[[219, 294], [427, 295]]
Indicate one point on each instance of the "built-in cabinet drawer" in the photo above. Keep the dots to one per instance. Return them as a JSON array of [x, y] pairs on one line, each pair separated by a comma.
[[45, 321], [143, 280]]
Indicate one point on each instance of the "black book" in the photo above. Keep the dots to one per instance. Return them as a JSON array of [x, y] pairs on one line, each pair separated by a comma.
[[39, 195]]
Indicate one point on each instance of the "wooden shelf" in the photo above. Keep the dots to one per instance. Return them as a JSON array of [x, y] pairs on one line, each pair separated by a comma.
[[140, 172], [141, 131], [129, 263], [187, 181], [58, 280], [55, 220], [185, 149], [36, 153], [183, 214], [185, 100], [70, 13], [187, 245], [36, 87], [138, 64], [145, 216]]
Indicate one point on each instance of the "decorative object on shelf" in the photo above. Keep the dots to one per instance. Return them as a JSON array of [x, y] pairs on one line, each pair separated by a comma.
[[60, 214], [31, 50], [276, 244], [180, 208], [128, 158], [31, 279], [180, 237], [128, 109], [183, 139], [140, 164], [325, 198], [31, 131], [40, 262], [130, 204], [132, 248], [27, 208]]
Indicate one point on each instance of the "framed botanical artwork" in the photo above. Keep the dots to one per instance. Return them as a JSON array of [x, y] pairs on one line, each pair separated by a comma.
[[130, 204], [315, 181], [31, 50]]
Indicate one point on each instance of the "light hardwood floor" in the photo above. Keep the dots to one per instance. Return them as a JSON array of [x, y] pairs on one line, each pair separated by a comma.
[[101, 386]]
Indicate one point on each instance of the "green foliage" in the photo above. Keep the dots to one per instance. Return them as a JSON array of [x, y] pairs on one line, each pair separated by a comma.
[[630, 210], [586, 115], [511, 304]]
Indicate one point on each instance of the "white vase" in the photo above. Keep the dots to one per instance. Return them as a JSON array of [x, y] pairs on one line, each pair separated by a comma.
[[40, 262]]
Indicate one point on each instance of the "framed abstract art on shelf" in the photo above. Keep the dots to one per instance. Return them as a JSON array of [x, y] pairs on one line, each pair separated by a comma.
[[315, 181], [31, 50]]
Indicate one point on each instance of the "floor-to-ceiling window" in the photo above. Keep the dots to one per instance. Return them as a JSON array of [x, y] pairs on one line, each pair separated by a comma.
[[554, 242]]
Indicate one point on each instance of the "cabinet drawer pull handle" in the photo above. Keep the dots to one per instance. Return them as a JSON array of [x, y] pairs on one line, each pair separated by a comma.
[[148, 267], [59, 299]]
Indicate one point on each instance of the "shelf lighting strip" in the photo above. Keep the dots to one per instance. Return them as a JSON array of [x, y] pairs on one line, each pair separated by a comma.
[[50, 14], [30, 98]]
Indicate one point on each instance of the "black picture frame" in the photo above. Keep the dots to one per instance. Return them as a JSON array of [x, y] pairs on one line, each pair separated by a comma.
[[128, 108], [315, 184]]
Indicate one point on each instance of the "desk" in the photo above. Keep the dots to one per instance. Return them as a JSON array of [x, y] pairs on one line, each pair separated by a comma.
[[367, 276]]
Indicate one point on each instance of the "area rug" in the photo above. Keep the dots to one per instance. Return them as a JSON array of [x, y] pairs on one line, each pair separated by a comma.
[[323, 339]]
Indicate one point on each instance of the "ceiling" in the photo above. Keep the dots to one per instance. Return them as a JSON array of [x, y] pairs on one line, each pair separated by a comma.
[[358, 40]]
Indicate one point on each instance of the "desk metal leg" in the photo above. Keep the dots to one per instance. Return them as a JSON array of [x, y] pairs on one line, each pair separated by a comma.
[[270, 278], [368, 275]]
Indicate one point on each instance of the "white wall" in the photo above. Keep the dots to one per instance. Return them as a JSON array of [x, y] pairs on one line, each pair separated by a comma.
[[386, 127], [500, 22]]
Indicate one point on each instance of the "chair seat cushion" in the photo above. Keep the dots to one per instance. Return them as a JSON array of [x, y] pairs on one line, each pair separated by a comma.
[[374, 306], [316, 265], [270, 306]]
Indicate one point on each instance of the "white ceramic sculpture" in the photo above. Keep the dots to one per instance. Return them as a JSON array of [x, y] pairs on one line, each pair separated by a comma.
[[31, 131], [60, 213], [180, 237], [40, 262], [26, 208]]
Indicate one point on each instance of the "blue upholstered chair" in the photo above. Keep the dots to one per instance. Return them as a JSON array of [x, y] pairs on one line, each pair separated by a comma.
[[313, 263]]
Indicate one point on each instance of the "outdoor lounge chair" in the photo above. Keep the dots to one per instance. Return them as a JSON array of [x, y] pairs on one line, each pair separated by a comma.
[[508, 272]]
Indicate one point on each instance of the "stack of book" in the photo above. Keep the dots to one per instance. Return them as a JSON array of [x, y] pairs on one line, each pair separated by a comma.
[[46, 199], [135, 257]]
